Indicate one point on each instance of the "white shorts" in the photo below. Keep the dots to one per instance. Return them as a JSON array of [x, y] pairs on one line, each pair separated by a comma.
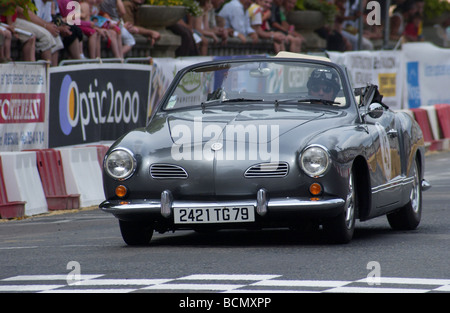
[[127, 37]]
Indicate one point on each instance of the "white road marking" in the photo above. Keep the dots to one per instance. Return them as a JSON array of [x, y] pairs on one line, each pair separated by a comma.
[[248, 283]]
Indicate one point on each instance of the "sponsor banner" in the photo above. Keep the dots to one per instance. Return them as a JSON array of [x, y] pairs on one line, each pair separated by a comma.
[[164, 70], [96, 102], [427, 74], [23, 106], [382, 68]]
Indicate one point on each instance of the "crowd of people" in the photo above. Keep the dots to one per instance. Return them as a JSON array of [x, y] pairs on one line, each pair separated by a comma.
[[111, 24]]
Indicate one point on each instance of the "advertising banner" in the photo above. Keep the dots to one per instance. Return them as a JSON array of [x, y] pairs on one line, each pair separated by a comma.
[[97, 102], [382, 68], [427, 74], [23, 106]]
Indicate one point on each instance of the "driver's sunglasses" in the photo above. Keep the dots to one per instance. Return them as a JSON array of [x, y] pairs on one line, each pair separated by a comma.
[[324, 88]]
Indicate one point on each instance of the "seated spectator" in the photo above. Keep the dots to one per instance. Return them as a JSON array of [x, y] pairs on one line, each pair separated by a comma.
[[259, 13], [216, 23], [398, 20], [45, 10], [88, 28], [45, 33], [201, 26], [115, 10], [5, 44], [237, 20], [106, 27], [279, 22], [411, 32], [71, 34], [188, 46], [27, 39], [131, 8], [349, 16]]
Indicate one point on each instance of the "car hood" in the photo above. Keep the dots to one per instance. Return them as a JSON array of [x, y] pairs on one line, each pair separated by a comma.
[[252, 126]]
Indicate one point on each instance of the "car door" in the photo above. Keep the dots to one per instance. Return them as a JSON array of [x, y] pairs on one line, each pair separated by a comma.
[[387, 177]]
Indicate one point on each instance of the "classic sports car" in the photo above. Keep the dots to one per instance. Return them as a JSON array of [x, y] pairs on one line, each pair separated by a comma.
[[266, 142]]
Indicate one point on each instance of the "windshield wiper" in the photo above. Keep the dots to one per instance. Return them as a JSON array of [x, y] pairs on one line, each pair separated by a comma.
[[219, 101], [310, 100], [323, 101]]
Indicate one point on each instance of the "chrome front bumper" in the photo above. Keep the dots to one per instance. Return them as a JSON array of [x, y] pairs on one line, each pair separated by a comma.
[[262, 204]]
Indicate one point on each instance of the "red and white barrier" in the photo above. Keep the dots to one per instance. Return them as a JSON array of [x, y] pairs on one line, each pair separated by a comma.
[[83, 175], [23, 182], [435, 124], [9, 209]]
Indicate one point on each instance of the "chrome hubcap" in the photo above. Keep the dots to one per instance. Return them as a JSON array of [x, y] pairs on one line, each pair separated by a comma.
[[350, 207], [415, 191]]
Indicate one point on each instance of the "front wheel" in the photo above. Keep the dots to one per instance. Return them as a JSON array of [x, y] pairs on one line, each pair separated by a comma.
[[340, 229], [408, 217], [135, 233]]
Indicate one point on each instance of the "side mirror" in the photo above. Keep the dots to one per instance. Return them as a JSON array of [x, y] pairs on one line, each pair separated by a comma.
[[375, 110]]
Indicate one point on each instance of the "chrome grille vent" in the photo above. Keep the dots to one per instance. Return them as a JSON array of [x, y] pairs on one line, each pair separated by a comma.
[[274, 169], [167, 171]]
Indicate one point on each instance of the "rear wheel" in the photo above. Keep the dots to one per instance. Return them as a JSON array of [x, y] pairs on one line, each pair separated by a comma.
[[135, 233], [408, 217], [340, 229]]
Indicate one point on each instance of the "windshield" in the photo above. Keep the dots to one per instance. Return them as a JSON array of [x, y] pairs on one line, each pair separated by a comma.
[[274, 82]]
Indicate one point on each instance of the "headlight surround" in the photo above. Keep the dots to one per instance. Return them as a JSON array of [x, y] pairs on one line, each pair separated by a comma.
[[120, 164], [315, 160]]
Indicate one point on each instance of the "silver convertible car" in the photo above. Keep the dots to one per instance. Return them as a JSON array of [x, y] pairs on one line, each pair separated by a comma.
[[266, 142]]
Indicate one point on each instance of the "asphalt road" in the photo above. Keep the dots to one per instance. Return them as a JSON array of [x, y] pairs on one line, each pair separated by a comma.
[[84, 251]]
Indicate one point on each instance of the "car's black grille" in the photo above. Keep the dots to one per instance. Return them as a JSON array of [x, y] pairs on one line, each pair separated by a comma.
[[274, 169], [168, 171]]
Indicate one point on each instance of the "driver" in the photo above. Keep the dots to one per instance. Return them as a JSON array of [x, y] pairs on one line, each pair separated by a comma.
[[323, 84]]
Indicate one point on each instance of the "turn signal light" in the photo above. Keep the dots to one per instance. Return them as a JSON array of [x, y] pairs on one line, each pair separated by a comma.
[[315, 189], [121, 191]]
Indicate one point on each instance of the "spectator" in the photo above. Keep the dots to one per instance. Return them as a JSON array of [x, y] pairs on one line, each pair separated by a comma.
[[411, 32], [217, 23], [27, 39], [115, 10], [45, 10], [106, 27], [131, 8], [188, 46], [44, 32], [88, 28], [402, 14], [73, 35], [259, 13], [349, 14], [279, 22], [201, 26], [5, 44], [237, 20]]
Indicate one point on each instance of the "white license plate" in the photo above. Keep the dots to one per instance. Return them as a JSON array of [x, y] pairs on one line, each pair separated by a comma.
[[232, 214]]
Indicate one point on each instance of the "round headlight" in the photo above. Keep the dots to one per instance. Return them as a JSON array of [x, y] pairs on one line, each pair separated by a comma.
[[315, 161], [120, 164]]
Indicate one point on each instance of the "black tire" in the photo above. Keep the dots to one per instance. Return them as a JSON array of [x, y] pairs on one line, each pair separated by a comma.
[[135, 233], [409, 216], [340, 229]]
